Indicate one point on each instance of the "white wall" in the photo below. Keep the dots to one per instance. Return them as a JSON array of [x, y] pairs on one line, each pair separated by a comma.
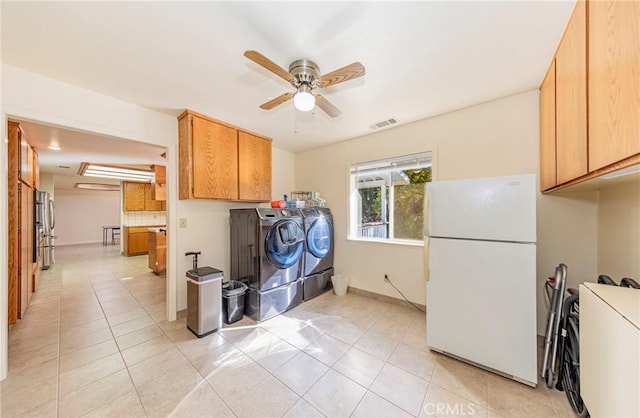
[[80, 215], [495, 138], [30, 96], [47, 185], [619, 231], [208, 228]]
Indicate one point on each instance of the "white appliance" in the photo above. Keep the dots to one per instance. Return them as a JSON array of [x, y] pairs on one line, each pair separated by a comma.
[[480, 256], [45, 222]]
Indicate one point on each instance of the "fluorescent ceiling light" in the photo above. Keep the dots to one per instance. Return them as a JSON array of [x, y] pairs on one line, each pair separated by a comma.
[[624, 172], [98, 186], [115, 172]]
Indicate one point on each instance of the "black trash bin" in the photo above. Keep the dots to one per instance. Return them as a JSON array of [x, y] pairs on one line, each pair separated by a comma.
[[233, 295]]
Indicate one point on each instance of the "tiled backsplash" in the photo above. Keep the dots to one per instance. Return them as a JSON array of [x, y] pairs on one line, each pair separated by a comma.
[[144, 218]]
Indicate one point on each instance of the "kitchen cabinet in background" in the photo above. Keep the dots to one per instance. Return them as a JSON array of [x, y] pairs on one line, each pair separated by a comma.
[[138, 197], [221, 161], [22, 175], [157, 250], [159, 183], [135, 239]]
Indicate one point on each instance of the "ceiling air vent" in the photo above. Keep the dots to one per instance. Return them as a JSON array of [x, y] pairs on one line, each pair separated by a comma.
[[66, 167], [384, 123]]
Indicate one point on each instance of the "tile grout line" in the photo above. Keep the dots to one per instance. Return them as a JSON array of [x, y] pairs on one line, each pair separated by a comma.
[[126, 367]]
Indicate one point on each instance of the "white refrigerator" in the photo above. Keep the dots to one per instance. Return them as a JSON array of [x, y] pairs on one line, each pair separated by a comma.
[[480, 254]]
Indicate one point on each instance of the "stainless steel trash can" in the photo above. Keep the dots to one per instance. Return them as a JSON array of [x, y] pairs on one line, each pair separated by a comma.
[[204, 300]]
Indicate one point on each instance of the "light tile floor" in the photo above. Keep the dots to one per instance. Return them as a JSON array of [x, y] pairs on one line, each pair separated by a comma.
[[95, 342]]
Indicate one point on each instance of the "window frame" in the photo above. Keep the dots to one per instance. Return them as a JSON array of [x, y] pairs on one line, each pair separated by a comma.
[[354, 211]]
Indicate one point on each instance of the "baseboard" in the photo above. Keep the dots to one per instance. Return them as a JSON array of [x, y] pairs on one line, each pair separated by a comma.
[[384, 298]]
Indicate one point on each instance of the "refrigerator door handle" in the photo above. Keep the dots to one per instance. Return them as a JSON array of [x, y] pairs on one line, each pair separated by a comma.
[[425, 233]]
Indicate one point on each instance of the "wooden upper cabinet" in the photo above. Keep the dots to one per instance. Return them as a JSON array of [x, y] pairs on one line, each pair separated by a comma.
[[137, 197], [614, 81], [149, 203], [254, 167], [220, 161], [134, 196], [159, 182], [215, 160], [208, 158], [548, 129], [571, 98]]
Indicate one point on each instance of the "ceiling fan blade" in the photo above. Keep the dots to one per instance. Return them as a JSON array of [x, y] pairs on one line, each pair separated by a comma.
[[345, 73], [265, 62], [277, 101], [327, 107]]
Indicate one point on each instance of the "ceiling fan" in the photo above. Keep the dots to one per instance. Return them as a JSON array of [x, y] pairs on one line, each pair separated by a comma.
[[304, 76]]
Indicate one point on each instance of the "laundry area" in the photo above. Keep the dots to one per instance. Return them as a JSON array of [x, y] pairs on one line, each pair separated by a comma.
[[388, 209]]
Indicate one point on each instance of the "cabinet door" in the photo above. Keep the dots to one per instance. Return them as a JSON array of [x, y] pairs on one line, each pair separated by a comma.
[[149, 203], [571, 98], [25, 256], [36, 171], [134, 196], [13, 224], [138, 243], [254, 167], [159, 183], [548, 129], [215, 160], [614, 81], [26, 160]]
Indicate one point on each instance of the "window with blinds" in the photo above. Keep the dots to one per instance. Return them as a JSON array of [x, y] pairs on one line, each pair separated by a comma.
[[387, 197]]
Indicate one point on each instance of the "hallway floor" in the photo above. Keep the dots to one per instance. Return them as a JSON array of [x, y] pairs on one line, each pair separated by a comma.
[[95, 342]]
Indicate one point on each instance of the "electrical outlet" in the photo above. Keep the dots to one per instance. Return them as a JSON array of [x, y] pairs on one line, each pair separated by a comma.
[[182, 223], [386, 278]]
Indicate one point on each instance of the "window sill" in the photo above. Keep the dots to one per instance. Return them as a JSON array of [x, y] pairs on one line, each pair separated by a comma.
[[407, 243]]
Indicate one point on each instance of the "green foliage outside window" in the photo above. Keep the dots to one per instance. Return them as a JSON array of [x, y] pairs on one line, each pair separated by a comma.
[[408, 204]]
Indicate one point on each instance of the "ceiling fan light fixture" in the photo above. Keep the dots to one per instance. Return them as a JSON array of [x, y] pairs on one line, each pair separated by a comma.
[[304, 100]]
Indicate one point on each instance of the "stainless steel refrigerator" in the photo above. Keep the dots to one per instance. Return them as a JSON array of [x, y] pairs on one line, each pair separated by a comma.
[[481, 291], [45, 222]]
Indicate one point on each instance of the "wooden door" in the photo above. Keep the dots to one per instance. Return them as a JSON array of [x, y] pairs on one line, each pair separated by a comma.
[[614, 81], [571, 98], [254, 167], [25, 256], [215, 160], [548, 129], [13, 225], [134, 196]]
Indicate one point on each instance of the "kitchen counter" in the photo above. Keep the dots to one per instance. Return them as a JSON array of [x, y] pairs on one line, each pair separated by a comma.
[[135, 239]]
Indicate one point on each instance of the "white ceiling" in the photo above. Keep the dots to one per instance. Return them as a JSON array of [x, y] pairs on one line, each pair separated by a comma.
[[421, 58]]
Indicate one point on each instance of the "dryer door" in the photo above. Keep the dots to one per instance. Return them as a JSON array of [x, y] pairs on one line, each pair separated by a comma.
[[319, 238], [284, 243]]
